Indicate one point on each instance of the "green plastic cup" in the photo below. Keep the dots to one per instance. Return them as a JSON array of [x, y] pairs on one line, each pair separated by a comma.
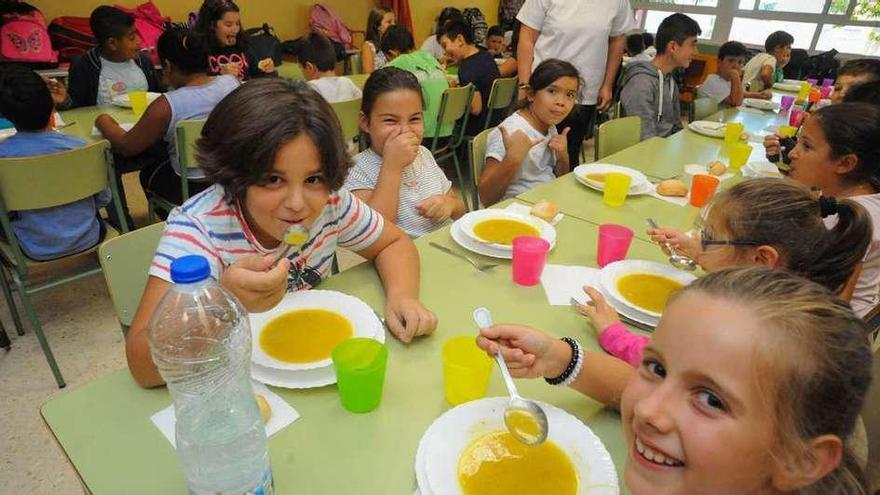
[[360, 373]]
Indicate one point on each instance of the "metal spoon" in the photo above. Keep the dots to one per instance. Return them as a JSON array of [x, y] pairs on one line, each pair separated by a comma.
[[675, 259], [525, 419], [294, 237]]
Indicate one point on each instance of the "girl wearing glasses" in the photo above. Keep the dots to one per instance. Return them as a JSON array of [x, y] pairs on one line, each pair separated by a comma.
[[526, 150]]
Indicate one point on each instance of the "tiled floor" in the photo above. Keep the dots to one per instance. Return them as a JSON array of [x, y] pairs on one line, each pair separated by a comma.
[[80, 324]]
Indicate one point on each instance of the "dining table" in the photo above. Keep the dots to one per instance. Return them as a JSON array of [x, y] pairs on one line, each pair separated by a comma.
[[104, 426]]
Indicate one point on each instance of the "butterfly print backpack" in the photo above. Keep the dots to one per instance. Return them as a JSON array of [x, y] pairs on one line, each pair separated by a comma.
[[24, 38]]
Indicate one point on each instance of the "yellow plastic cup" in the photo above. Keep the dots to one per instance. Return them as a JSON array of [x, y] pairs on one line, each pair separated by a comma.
[[739, 155], [733, 131], [787, 130], [138, 101], [466, 370], [616, 188], [804, 92]]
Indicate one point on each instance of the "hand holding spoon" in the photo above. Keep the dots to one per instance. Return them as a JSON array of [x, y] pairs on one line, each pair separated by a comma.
[[525, 420], [675, 259], [294, 237]]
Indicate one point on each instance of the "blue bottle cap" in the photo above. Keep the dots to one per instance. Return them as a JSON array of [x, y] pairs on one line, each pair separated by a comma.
[[190, 269]]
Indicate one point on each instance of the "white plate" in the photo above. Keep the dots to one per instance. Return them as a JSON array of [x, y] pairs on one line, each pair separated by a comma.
[[791, 87], [453, 432], [708, 128], [469, 221], [473, 246], [612, 272], [639, 185], [124, 102], [761, 104], [791, 81], [423, 488], [5, 133], [761, 169], [361, 317], [298, 379]]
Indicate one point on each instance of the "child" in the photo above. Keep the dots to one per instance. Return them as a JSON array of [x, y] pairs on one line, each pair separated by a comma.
[[635, 50], [502, 53], [271, 170], [526, 150], [398, 44], [432, 42], [115, 66], [185, 66], [219, 23], [854, 72], [318, 60], [771, 222], [765, 69], [769, 367], [475, 66], [46, 233], [397, 176], [650, 49], [649, 90], [372, 57], [837, 152], [725, 86]]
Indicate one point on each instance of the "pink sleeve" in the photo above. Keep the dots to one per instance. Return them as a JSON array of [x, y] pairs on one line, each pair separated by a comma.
[[623, 344]]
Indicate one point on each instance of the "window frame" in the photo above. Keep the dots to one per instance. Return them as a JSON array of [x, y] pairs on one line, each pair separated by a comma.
[[727, 10]]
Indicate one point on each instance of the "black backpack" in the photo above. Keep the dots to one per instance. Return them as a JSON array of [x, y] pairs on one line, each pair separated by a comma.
[[795, 66], [821, 66], [263, 43]]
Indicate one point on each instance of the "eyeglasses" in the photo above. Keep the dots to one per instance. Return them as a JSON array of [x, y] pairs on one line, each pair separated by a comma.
[[706, 241]]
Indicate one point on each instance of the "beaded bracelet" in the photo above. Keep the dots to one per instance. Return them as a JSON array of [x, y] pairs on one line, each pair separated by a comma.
[[574, 366]]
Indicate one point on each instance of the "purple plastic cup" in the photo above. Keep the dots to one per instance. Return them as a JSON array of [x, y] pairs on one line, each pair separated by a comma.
[[614, 241], [786, 102], [827, 82], [813, 82], [529, 258]]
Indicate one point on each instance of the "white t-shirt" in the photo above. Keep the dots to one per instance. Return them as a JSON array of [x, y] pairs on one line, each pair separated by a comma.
[[715, 87], [867, 293], [118, 78], [752, 71], [432, 46], [577, 31], [336, 89], [538, 165], [422, 179]]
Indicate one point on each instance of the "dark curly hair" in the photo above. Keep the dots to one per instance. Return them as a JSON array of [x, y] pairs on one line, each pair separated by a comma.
[[246, 129]]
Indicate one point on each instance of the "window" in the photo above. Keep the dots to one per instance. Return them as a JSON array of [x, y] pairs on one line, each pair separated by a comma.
[[755, 31], [807, 6], [653, 18], [850, 39]]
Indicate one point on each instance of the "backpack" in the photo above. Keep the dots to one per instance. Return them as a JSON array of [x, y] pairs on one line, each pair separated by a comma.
[[71, 36], [507, 11], [821, 66], [477, 20], [24, 38], [150, 24], [263, 43], [794, 68], [324, 20]]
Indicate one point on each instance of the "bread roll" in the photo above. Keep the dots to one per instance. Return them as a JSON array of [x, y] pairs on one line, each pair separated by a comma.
[[545, 210], [265, 410], [717, 168], [672, 187]]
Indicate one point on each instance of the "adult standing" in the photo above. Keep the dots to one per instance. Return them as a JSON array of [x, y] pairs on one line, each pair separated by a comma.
[[590, 34]]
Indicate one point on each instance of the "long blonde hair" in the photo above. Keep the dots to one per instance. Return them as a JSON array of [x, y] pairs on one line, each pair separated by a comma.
[[813, 362]]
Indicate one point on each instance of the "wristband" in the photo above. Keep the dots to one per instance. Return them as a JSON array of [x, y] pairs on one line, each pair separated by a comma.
[[574, 366]]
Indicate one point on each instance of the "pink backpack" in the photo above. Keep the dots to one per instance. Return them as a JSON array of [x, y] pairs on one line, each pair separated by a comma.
[[24, 38], [150, 24], [326, 21]]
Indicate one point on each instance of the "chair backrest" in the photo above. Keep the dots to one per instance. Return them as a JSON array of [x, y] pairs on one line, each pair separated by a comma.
[[187, 132], [291, 71], [347, 112], [501, 96], [478, 161], [871, 417], [125, 261], [618, 134], [704, 107], [455, 104]]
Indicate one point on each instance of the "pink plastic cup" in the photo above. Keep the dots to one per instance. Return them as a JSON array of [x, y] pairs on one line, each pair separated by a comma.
[[786, 102], [529, 258], [797, 113], [614, 241], [825, 91]]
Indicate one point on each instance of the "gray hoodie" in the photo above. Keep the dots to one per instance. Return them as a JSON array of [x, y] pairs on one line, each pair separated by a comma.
[[642, 96]]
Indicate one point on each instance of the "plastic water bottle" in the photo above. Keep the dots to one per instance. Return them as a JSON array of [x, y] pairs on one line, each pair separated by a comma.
[[200, 340]]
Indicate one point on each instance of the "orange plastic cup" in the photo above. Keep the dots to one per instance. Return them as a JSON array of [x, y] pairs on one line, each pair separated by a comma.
[[702, 189]]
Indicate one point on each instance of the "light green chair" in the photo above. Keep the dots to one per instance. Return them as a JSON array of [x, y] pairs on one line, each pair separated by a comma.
[[125, 261], [617, 134], [454, 110], [359, 80], [291, 71], [42, 182], [703, 107], [347, 112], [187, 132], [478, 161], [501, 97]]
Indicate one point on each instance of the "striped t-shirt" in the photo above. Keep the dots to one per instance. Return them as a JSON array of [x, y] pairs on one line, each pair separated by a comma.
[[208, 225], [422, 179]]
